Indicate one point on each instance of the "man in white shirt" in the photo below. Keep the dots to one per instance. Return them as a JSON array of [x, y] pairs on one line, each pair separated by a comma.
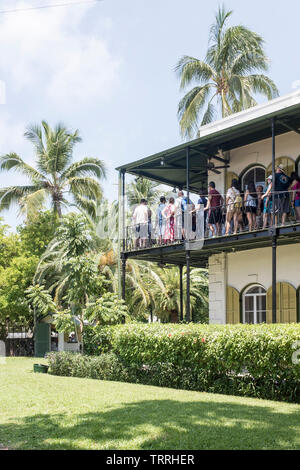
[[140, 222], [178, 216]]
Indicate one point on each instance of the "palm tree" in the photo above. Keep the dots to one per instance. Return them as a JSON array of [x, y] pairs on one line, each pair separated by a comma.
[[74, 238], [142, 188], [229, 75], [166, 292], [55, 176]]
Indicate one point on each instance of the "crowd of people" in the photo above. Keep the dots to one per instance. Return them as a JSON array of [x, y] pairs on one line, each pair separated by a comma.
[[216, 214]]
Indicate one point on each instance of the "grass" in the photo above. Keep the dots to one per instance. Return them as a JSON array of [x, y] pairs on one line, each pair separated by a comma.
[[40, 411]]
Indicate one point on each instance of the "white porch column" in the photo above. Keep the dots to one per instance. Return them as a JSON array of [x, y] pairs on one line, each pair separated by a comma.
[[217, 288], [61, 342]]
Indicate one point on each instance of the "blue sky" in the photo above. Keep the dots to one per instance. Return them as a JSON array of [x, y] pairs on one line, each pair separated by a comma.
[[108, 69]]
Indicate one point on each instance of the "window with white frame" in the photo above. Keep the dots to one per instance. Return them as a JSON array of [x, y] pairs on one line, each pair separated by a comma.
[[256, 174], [255, 305]]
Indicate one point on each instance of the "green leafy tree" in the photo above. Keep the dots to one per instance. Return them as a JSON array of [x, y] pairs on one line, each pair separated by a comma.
[[37, 232], [14, 280], [40, 301], [18, 262], [54, 177], [9, 245], [84, 283], [74, 238], [107, 310], [229, 76]]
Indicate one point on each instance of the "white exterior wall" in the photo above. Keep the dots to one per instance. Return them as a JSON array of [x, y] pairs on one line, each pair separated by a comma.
[[217, 288], [255, 267], [240, 269]]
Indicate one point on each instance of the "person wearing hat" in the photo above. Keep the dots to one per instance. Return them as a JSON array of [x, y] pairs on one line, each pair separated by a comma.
[[282, 196], [267, 199]]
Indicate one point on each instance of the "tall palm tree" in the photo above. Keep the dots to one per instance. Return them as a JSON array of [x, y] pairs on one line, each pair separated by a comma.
[[229, 75], [142, 188], [166, 292], [55, 176]]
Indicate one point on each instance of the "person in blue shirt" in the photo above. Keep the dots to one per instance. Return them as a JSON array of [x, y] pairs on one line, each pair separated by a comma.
[[160, 220]]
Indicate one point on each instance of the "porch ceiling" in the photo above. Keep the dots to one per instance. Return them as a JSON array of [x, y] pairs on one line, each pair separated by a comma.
[[168, 167]]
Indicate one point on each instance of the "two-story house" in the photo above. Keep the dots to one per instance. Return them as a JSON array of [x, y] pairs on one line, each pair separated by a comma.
[[254, 275]]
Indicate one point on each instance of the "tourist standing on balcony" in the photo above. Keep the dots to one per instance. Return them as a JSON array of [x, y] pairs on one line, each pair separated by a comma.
[[187, 207], [251, 203], [160, 220], [149, 224], [214, 206], [140, 222], [234, 204], [260, 206], [268, 202], [179, 216], [296, 194], [169, 214], [282, 197]]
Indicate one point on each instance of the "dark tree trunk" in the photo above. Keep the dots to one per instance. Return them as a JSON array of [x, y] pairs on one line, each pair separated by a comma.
[[174, 316]]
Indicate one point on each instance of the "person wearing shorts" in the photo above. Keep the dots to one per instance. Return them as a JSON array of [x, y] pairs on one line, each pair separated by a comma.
[[282, 197], [268, 203], [214, 206], [250, 201], [234, 206]]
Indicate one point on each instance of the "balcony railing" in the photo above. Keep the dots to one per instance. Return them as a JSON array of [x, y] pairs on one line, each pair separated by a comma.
[[200, 223]]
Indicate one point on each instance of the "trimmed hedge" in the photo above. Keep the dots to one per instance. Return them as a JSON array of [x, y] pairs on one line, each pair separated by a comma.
[[241, 360], [69, 364], [252, 360], [97, 339]]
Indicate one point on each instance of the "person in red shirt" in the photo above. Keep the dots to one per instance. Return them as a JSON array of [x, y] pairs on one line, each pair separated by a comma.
[[214, 206]]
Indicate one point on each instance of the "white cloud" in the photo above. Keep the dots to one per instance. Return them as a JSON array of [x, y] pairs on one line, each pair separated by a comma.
[[52, 52]]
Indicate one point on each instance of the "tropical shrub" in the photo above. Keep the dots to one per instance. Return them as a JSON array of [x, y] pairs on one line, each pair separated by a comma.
[[97, 339], [256, 361], [104, 367], [242, 359]]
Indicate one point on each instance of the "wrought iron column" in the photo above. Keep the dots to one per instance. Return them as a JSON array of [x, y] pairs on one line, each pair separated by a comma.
[[123, 210], [186, 223], [274, 229], [181, 292], [119, 233], [123, 277], [188, 302], [188, 172]]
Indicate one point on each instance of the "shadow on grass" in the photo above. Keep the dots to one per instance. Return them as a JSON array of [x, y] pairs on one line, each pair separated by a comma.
[[158, 425]]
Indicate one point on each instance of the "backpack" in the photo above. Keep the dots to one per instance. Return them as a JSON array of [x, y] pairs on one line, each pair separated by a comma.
[[238, 201]]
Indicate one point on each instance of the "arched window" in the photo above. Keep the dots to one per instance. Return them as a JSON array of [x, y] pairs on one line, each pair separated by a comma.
[[256, 174], [255, 305]]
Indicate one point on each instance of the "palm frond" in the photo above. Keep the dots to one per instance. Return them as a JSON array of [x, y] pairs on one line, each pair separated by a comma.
[[190, 69], [189, 109], [33, 203], [85, 186], [86, 167], [14, 194], [12, 161]]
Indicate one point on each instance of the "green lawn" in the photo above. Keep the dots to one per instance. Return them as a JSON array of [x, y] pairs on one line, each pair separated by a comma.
[[45, 412]]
